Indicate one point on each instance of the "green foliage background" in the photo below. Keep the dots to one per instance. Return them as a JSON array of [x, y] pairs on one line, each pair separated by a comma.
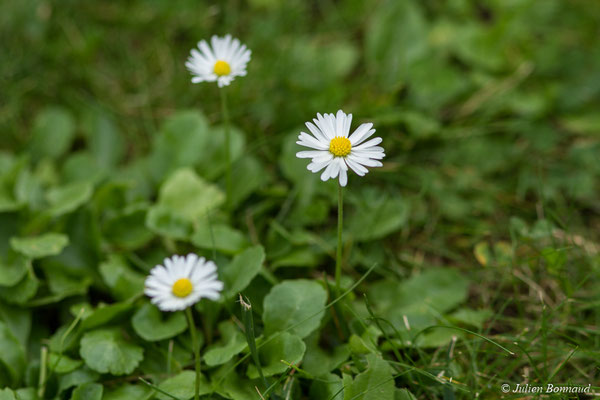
[[484, 217]]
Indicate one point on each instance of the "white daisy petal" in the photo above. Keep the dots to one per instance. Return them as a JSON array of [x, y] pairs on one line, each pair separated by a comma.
[[343, 177], [376, 155], [361, 133], [182, 282], [356, 167], [335, 151], [370, 143], [310, 154], [304, 139], [221, 60], [321, 137], [340, 122], [316, 167], [368, 162]]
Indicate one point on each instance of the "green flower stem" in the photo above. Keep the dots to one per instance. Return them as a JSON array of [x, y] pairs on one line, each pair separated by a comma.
[[338, 258], [225, 115], [194, 334], [43, 364]]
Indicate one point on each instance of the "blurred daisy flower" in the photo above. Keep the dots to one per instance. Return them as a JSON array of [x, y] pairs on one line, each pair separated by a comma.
[[335, 151], [222, 61], [182, 281]]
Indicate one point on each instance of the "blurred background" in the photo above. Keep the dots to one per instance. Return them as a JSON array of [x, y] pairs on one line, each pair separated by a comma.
[[488, 110]]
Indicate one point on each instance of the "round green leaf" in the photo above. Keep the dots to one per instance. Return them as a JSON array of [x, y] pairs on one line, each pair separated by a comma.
[[375, 383], [13, 269], [127, 392], [106, 351], [377, 215], [68, 198], [238, 274], [233, 342], [222, 237], [88, 391], [106, 313], [153, 325], [187, 195], [22, 291], [53, 133], [293, 303], [79, 376], [182, 386], [7, 394], [286, 346], [49, 244], [64, 364]]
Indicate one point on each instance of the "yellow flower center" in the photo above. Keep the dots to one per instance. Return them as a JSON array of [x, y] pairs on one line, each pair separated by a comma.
[[182, 288], [222, 68], [340, 146]]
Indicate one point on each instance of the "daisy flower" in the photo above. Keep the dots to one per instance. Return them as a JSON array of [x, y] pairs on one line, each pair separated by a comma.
[[182, 281], [222, 61], [335, 151]]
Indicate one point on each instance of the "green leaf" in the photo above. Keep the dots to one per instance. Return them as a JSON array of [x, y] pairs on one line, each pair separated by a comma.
[[48, 244], [285, 346], [53, 133], [7, 394], [65, 363], [233, 342], [376, 383], [222, 237], [162, 221], [68, 198], [421, 299], [105, 142], [292, 302], [212, 162], [182, 386], [152, 325], [88, 391], [106, 313], [318, 361], [122, 280], [18, 321], [188, 195], [13, 269], [364, 343], [376, 215], [238, 274], [127, 392], [106, 351], [128, 229], [76, 378], [305, 257], [80, 166], [27, 394], [183, 198], [22, 291], [326, 387], [249, 175], [436, 338], [239, 388], [475, 318], [179, 144], [404, 394], [12, 356]]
